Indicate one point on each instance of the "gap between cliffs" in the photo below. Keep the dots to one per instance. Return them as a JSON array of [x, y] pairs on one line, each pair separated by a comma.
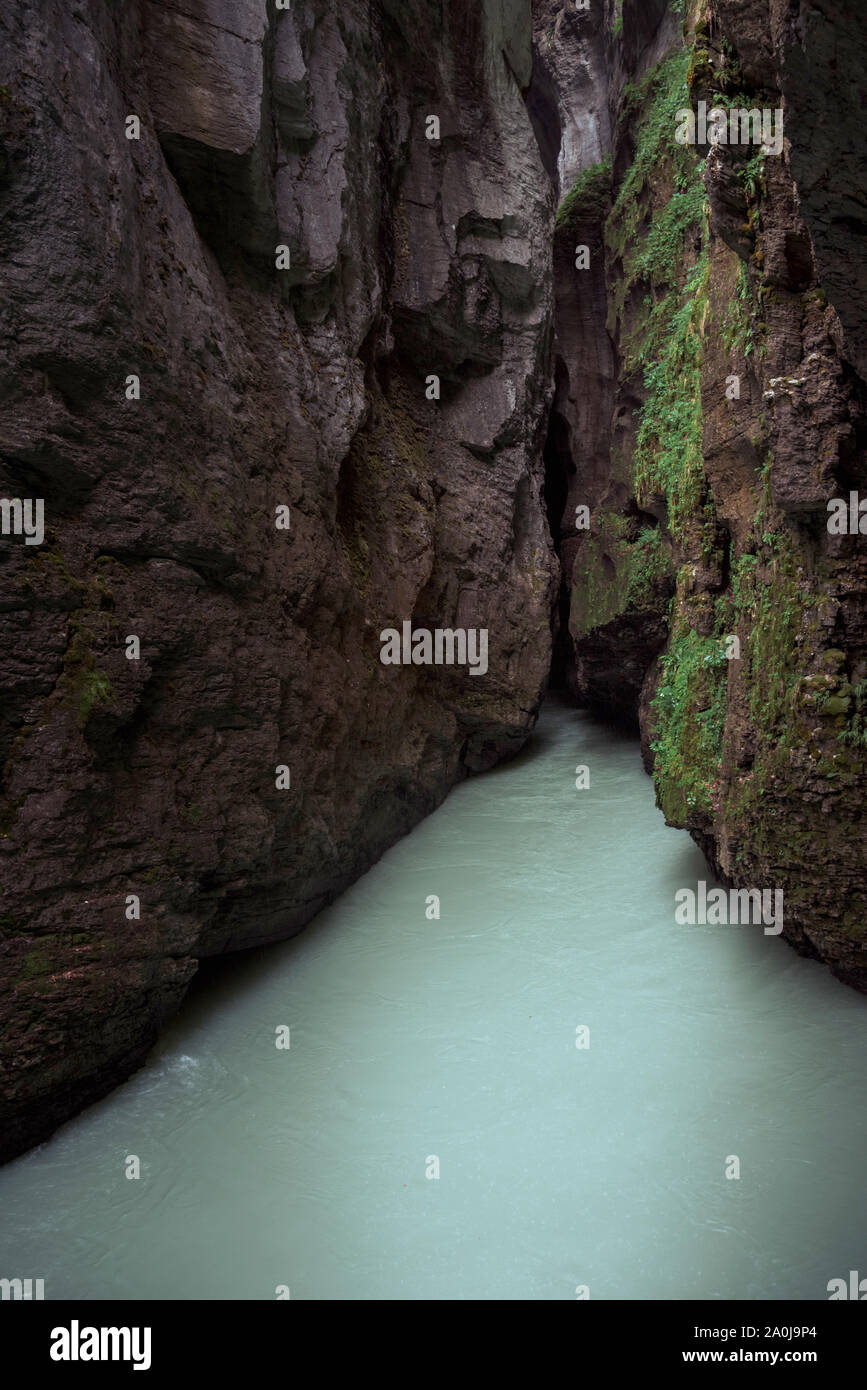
[[708, 403]]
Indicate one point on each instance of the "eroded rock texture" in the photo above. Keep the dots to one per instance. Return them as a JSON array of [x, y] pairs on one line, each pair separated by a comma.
[[259, 388], [789, 808], [302, 133], [569, 103], [733, 285]]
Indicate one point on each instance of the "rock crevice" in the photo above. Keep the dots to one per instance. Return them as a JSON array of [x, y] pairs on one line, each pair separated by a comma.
[[327, 319]]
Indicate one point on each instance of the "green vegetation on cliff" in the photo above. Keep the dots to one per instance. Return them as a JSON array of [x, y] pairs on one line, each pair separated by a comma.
[[656, 238], [588, 198], [647, 238], [659, 301], [656, 305], [640, 567], [668, 446], [690, 710]]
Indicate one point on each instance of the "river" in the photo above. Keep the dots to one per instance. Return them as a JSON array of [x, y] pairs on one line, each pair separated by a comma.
[[419, 1045]]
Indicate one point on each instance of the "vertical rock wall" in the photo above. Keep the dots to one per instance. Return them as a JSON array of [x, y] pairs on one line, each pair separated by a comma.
[[282, 300], [708, 600], [305, 388]]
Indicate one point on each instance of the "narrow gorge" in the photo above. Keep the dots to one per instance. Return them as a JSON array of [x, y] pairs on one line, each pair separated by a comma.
[[323, 320]]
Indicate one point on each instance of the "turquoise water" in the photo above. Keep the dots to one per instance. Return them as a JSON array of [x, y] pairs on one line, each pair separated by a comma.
[[414, 1039]]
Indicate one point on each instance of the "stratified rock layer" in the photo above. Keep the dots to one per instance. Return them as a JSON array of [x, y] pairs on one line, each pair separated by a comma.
[[735, 296], [786, 295], [167, 390], [303, 388]]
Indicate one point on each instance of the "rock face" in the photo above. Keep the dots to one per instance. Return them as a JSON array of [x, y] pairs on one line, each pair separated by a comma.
[[793, 770], [287, 306], [591, 431], [708, 599], [166, 388], [569, 103]]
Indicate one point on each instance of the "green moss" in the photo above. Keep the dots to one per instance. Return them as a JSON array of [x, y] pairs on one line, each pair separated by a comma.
[[656, 309], [650, 242], [660, 257], [751, 177], [40, 960], [770, 598], [739, 323], [668, 446], [649, 563], [700, 67], [689, 709], [816, 297], [85, 686], [799, 727], [770, 606], [589, 197], [855, 732], [52, 559], [617, 574], [94, 689], [651, 109]]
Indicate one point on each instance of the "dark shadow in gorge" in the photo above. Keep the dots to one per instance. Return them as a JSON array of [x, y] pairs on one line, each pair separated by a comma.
[[559, 466]]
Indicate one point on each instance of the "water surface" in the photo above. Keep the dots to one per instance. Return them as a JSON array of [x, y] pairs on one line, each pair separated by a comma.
[[413, 1038]]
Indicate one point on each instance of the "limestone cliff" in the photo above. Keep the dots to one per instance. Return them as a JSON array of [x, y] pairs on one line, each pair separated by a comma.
[[148, 249], [708, 601], [320, 319]]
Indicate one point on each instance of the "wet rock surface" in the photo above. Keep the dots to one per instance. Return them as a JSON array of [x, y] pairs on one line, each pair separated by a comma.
[[758, 747], [303, 388], [436, 381]]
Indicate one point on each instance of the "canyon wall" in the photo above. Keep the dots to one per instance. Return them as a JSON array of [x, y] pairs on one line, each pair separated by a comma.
[[708, 602], [290, 362], [222, 318]]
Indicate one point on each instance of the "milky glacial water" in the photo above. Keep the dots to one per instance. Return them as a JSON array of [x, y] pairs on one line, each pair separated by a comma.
[[559, 1167]]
